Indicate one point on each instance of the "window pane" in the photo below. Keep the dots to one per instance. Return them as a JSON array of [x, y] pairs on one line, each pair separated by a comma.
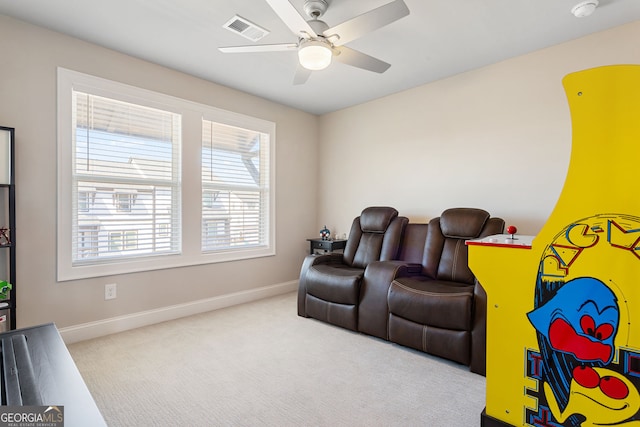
[[126, 180], [235, 187], [120, 181]]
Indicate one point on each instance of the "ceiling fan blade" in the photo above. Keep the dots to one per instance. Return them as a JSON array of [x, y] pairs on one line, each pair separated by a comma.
[[259, 48], [292, 18], [361, 60], [367, 22], [302, 75]]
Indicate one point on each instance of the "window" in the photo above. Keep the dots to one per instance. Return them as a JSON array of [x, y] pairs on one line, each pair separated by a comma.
[[209, 198], [163, 230], [85, 200], [135, 151], [125, 201], [216, 233], [88, 241], [235, 187], [123, 240]]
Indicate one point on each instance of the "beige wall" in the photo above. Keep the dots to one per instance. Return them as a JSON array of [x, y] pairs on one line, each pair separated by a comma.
[[30, 56], [496, 138]]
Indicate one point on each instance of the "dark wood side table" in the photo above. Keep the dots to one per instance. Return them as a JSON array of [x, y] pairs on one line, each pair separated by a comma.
[[325, 245]]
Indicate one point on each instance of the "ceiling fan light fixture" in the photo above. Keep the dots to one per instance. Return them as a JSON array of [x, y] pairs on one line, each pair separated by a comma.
[[314, 55], [584, 8]]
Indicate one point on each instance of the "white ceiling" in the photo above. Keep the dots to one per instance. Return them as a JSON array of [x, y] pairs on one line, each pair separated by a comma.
[[439, 38]]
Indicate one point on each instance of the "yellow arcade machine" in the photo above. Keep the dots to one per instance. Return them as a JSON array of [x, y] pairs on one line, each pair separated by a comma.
[[563, 311]]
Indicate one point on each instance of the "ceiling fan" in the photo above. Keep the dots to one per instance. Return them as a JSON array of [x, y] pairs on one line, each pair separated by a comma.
[[318, 43]]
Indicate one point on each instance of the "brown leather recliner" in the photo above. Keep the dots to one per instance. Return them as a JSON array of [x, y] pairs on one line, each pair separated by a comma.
[[329, 287], [440, 308]]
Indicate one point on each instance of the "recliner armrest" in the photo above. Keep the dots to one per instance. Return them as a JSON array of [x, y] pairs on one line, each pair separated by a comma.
[[373, 312], [405, 269], [309, 261], [328, 258], [413, 269]]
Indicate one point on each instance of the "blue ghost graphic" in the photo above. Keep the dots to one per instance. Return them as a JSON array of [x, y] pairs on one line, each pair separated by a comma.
[[581, 319]]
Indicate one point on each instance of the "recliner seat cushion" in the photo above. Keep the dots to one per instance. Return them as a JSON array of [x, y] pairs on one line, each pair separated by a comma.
[[339, 284], [446, 305]]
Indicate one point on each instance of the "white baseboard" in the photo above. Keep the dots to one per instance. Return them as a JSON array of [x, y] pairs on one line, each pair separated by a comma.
[[113, 325]]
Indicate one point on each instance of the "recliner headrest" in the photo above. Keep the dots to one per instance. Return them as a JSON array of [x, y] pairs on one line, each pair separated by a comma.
[[463, 223], [376, 219]]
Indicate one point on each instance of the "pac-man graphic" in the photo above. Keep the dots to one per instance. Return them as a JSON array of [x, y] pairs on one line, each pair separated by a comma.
[[602, 396], [576, 324]]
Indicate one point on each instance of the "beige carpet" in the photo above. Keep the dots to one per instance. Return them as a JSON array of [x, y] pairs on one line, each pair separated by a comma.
[[259, 364]]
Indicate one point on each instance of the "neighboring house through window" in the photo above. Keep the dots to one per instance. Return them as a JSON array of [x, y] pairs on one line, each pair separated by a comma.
[[236, 187], [121, 201]]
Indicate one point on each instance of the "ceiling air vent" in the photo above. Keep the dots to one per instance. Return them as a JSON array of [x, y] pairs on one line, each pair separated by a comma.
[[245, 28]]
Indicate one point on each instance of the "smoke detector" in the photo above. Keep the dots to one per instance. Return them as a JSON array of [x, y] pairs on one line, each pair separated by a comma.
[[584, 8]]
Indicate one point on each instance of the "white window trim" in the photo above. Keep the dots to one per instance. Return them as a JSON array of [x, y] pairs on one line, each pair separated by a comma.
[[192, 115]]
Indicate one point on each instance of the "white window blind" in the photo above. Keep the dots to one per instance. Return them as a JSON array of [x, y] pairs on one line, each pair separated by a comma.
[[125, 180], [235, 187], [128, 202]]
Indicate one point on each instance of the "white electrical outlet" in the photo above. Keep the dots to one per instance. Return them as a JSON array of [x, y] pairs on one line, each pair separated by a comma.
[[110, 291]]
